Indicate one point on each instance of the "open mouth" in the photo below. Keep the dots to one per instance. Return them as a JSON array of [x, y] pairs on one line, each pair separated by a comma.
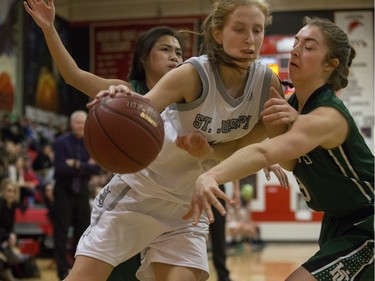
[[248, 51]]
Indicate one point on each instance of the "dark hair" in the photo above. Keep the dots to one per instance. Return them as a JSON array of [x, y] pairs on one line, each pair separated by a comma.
[[217, 19], [339, 48], [143, 48]]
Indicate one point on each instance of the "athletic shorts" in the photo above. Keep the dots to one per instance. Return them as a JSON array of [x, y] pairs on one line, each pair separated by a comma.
[[346, 249], [123, 223]]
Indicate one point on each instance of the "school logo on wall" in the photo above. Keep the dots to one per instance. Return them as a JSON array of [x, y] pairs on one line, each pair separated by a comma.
[[358, 96]]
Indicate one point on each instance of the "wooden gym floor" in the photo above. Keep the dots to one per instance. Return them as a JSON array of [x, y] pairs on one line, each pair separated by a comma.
[[273, 263]]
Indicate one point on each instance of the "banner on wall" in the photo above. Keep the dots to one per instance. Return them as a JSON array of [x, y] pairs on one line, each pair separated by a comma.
[[359, 94], [44, 87], [8, 59], [112, 44]]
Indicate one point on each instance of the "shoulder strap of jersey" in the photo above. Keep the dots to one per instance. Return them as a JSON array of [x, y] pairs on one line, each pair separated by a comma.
[[266, 88]]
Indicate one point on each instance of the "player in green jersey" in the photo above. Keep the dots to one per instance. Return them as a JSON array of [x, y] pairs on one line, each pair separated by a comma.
[[325, 150]]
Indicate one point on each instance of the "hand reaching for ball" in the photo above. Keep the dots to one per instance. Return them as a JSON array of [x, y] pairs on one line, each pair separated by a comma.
[[112, 91]]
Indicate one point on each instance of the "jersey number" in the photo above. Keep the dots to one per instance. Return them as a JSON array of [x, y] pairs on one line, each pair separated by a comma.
[[305, 193]]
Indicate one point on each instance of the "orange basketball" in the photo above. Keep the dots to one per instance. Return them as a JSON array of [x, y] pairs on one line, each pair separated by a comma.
[[124, 134]]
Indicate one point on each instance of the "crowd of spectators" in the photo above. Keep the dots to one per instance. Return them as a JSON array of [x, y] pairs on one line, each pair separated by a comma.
[[26, 157], [27, 161]]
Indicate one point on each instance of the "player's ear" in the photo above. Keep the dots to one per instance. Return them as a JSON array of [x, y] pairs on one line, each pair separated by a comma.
[[331, 64], [218, 35]]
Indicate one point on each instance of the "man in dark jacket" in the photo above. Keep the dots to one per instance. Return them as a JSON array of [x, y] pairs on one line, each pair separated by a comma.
[[73, 169]]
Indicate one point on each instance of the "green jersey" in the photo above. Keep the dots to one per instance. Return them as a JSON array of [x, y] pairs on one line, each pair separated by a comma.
[[338, 181], [139, 86]]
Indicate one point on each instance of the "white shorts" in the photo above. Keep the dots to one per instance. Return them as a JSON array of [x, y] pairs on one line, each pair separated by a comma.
[[124, 224]]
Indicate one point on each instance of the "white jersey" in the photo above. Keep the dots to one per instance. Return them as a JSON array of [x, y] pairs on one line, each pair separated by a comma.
[[217, 115], [145, 209]]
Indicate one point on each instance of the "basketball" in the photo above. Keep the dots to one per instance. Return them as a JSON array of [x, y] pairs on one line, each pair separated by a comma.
[[124, 134]]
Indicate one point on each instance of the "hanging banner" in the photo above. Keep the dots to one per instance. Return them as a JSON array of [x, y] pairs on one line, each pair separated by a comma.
[[359, 94], [8, 58], [112, 44], [44, 88]]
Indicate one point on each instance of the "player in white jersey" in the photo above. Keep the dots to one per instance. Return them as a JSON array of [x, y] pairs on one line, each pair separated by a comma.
[[215, 114], [220, 95]]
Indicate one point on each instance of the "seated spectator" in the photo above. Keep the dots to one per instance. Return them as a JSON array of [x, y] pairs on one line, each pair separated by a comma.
[[3, 162], [20, 171], [13, 131], [9, 252], [11, 150], [43, 163], [44, 169], [240, 227]]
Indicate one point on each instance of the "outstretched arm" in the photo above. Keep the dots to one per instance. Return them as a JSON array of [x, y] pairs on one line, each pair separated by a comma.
[[324, 127], [181, 84], [43, 14], [196, 144]]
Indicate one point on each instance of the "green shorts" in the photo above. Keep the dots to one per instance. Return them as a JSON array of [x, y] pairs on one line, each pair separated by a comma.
[[346, 248]]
